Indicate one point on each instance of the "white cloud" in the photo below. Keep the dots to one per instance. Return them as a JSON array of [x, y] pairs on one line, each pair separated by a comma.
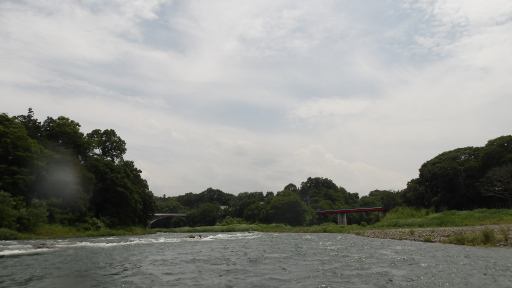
[[328, 107], [255, 95]]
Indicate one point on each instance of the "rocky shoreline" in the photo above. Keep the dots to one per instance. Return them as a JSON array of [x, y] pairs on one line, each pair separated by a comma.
[[496, 235]]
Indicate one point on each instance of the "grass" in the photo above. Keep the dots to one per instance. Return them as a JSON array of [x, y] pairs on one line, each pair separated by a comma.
[[406, 217], [7, 234], [402, 217], [486, 237]]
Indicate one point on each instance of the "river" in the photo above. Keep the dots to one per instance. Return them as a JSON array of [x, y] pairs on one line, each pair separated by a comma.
[[250, 260]]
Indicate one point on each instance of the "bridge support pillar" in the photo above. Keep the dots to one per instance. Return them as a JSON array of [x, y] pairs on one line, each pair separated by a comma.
[[382, 214], [342, 218]]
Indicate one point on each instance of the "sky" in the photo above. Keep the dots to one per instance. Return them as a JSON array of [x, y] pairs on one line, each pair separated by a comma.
[[247, 96]]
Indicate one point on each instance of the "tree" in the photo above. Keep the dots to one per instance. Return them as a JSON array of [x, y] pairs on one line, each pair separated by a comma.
[[121, 196], [106, 144], [211, 195], [291, 187], [287, 208], [190, 200], [384, 198], [206, 215], [497, 152], [169, 205], [414, 194], [64, 133], [66, 182], [8, 213], [31, 124], [21, 158], [253, 213], [314, 190], [497, 185], [242, 201], [15, 215], [448, 179]]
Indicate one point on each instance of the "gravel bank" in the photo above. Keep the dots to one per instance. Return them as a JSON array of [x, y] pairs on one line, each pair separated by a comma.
[[502, 233]]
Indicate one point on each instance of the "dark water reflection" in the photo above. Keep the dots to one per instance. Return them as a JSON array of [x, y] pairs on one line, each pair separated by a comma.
[[251, 260]]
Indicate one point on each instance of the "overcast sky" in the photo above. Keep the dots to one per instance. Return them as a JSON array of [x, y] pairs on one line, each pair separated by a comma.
[[254, 95]]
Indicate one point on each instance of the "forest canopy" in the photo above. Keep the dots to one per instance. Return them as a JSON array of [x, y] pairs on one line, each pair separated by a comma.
[[51, 171]]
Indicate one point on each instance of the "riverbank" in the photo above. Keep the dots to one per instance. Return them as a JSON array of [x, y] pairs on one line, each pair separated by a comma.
[[482, 227], [483, 235], [48, 231]]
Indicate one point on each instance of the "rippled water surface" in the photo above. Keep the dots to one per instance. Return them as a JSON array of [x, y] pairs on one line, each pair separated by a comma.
[[250, 260]]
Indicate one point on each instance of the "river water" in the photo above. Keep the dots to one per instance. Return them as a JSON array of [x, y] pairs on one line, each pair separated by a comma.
[[250, 260]]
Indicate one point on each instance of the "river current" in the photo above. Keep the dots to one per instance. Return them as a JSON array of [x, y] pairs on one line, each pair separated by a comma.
[[250, 260]]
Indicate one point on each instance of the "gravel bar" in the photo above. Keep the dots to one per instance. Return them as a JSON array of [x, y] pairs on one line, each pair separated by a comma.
[[441, 235]]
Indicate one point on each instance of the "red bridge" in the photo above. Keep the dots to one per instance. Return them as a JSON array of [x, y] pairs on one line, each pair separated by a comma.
[[342, 213]]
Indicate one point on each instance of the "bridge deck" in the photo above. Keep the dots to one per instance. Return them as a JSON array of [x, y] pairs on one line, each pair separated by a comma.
[[351, 210], [169, 214]]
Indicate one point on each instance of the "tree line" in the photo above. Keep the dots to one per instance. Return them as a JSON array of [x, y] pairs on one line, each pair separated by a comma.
[[465, 178], [51, 172], [294, 205], [461, 179]]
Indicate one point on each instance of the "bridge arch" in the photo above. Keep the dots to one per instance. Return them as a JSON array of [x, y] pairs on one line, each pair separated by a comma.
[[158, 216]]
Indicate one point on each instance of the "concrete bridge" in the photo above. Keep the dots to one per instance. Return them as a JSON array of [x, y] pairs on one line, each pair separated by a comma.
[[342, 213], [158, 216]]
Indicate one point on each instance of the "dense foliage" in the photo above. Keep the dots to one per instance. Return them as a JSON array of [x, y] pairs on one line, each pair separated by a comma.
[[52, 172], [292, 206], [465, 178]]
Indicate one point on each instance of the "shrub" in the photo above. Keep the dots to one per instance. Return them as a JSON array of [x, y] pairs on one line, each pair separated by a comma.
[[231, 221], [405, 212], [7, 234], [504, 233], [488, 237], [458, 238]]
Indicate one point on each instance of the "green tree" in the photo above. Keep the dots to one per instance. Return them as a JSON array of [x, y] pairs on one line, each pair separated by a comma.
[[64, 133], [384, 198], [106, 144], [291, 187], [8, 213], [414, 194], [211, 195], [449, 179], [287, 208], [20, 158], [66, 182], [253, 213], [120, 196], [16, 215], [497, 152], [31, 124], [497, 185], [314, 190], [169, 205], [207, 215], [242, 201], [190, 200]]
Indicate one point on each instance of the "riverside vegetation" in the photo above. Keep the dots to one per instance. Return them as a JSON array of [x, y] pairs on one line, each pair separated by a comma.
[[56, 181], [482, 227]]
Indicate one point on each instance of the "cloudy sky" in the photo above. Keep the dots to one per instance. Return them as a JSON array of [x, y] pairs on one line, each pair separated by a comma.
[[253, 95]]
